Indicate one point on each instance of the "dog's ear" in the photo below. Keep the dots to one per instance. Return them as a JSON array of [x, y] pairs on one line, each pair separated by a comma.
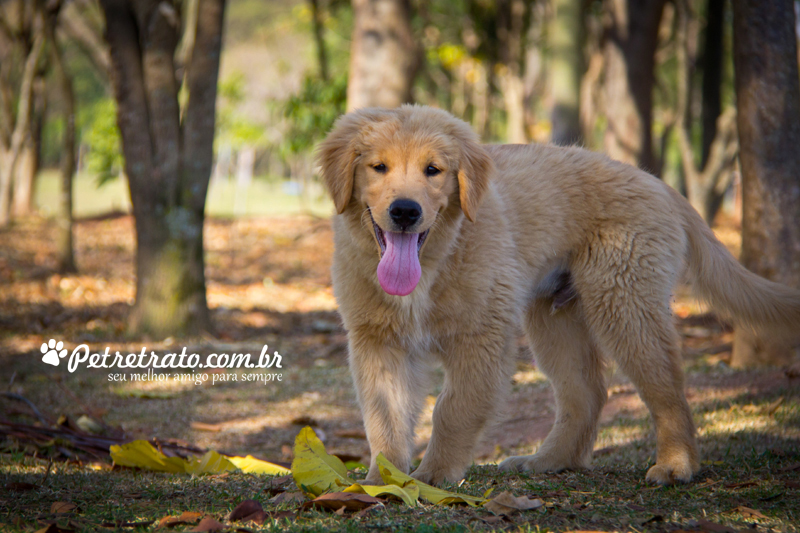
[[337, 156], [474, 171], [338, 153]]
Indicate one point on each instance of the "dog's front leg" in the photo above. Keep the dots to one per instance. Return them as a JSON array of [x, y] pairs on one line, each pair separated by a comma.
[[389, 385], [477, 375]]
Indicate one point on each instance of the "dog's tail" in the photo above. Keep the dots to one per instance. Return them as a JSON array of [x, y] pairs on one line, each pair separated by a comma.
[[733, 290]]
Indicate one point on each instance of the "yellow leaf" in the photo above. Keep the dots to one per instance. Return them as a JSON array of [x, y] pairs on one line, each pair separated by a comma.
[[211, 463], [142, 454], [391, 475], [251, 465], [313, 469], [409, 493]]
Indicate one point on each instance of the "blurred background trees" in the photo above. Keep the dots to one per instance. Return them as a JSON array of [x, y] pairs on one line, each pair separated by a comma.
[[650, 82]]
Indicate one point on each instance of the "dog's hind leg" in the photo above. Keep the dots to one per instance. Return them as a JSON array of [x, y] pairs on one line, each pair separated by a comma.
[[565, 352], [625, 295], [649, 355]]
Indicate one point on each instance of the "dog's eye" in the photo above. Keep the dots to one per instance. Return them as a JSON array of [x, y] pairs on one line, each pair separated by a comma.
[[431, 170], [380, 168]]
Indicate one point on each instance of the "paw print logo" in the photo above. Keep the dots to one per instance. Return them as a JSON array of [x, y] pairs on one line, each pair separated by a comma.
[[53, 352]]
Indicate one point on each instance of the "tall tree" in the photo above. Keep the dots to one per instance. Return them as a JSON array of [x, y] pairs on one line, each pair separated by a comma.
[[511, 27], [768, 102], [383, 56], [631, 38], [168, 153], [706, 184], [28, 37], [566, 70], [66, 257]]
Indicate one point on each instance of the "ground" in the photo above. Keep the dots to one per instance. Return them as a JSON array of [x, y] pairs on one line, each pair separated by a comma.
[[269, 284]]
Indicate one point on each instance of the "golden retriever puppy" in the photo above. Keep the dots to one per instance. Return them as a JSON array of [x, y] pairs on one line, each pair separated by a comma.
[[442, 246]]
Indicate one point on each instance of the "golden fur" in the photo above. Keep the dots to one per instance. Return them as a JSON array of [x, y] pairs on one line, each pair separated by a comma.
[[582, 250]]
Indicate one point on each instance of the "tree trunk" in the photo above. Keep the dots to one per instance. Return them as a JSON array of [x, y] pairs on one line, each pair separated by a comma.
[[510, 31], [319, 39], [66, 257], [705, 186], [10, 154], [768, 101], [566, 71], [383, 56], [167, 159], [712, 74], [631, 38]]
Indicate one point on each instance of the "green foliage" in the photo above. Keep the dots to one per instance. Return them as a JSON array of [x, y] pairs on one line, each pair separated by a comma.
[[312, 111], [233, 128], [102, 136]]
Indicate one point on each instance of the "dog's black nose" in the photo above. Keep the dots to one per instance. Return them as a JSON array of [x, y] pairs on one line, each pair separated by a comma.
[[405, 213]]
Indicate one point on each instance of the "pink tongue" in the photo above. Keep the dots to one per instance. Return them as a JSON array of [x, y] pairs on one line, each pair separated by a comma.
[[399, 270]]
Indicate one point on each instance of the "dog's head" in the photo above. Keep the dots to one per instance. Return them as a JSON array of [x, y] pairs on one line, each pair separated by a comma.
[[403, 167]]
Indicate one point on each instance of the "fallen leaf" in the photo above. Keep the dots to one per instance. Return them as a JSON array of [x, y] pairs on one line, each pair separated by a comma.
[[62, 507], [506, 503], [741, 485], [20, 486], [202, 426], [408, 493], [750, 513], [210, 463], [351, 434], [315, 471], [208, 524], [343, 500], [711, 527], [54, 528], [305, 420], [392, 475], [288, 497], [122, 523], [142, 454], [248, 511], [251, 465], [187, 517]]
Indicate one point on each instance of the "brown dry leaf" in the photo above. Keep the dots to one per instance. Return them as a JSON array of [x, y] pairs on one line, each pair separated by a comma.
[[54, 528], [208, 524], [349, 501], [248, 511], [288, 497], [506, 503], [20, 486], [351, 434], [187, 517], [122, 523], [62, 507], [741, 485], [712, 527], [750, 513]]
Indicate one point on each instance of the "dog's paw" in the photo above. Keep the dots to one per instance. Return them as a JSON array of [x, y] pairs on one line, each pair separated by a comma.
[[438, 476], [669, 474], [531, 463]]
